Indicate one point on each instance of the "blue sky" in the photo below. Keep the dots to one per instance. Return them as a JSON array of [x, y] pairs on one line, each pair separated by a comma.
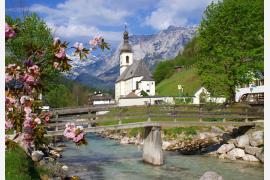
[[78, 20]]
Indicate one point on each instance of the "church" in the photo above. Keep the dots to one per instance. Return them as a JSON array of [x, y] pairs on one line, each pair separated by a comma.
[[135, 79]]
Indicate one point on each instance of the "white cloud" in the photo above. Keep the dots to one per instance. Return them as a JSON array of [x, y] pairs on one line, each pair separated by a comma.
[[175, 12], [82, 18]]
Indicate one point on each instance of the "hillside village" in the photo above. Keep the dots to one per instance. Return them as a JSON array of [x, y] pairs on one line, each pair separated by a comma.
[[136, 85]]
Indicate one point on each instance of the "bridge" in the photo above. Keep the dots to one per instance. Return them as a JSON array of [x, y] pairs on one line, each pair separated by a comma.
[[152, 119]]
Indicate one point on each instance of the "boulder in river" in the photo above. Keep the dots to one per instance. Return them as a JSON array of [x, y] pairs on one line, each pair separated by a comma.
[[251, 158], [236, 153], [37, 155], [225, 148], [211, 175], [242, 141], [256, 138], [260, 156], [252, 150]]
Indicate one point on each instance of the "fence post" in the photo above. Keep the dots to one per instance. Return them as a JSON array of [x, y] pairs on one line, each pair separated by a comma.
[[200, 113], [246, 120], [224, 117], [89, 118], [119, 116], [149, 112], [174, 113]]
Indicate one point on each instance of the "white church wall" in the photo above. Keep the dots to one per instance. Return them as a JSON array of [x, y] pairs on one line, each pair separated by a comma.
[[117, 90], [128, 87], [123, 62], [140, 101], [148, 87]]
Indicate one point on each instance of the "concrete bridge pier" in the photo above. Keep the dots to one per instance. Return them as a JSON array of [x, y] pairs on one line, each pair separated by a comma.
[[152, 147]]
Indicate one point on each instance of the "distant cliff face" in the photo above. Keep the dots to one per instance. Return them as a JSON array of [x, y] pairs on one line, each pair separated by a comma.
[[164, 45]]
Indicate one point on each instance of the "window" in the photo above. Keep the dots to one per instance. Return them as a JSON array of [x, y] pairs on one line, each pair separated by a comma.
[[137, 84], [147, 90], [127, 59]]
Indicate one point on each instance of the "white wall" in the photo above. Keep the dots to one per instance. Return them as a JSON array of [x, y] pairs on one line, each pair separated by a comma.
[[117, 90], [95, 102], [148, 86], [196, 98], [242, 91], [143, 101], [123, 64]]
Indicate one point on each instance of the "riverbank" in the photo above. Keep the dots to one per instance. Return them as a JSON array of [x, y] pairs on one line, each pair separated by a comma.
[[243, 143], [23, 164], [104, 158]]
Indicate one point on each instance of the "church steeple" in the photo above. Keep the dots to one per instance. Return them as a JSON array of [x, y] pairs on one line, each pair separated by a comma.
[[126, 55], [126, 47]]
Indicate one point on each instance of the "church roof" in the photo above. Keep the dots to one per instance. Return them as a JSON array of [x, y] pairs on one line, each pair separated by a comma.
[[137, 69], [125, 47]]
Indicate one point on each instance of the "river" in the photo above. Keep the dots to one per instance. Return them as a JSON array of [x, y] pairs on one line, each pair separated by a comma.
[[106, 159]]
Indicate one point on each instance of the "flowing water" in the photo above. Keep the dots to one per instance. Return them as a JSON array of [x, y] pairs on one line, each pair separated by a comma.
[[106, 159]]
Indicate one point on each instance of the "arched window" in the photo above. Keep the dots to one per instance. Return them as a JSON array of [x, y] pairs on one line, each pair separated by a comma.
[[127, 59]]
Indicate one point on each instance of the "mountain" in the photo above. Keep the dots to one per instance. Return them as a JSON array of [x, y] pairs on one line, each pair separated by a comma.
[[103, 70]]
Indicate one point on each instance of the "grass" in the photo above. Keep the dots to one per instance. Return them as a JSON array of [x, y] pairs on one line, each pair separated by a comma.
[[187, 78], [20, 166]]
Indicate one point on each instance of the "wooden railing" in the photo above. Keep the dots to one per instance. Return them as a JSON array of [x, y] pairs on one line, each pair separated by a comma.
[[88, 116]]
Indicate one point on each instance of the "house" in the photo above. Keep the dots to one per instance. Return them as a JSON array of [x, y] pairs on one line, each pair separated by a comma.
[[252, 92], [99, 98], [135, 77]]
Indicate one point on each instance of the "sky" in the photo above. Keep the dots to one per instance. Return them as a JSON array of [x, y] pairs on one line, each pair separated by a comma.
[[79, 20]]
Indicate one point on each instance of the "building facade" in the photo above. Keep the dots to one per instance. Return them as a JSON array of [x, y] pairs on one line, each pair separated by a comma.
[[135, 77]]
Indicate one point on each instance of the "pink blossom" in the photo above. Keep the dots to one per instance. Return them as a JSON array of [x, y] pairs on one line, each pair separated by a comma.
[[28, 79], [80, 46], [47, 118], [61, 54], [68, 133], [8, 78], [93, 42], [37, 120], [23, 98], [34, 69], [70, 126], [10, 101], [9, 31], [27, 122], [27, 111], [56, 41], [8, 125], [76, 45]]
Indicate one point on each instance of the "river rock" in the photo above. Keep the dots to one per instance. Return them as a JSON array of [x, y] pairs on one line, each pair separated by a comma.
[[223, 156], [236, 153], [260, 156], [252, 150], [37, 155], [225, 148], [242, 141], [232, 141], [165, 145], [65, 168], [215, 129], [211, 175], [251, 158], [256, 138], [55, 153], [124, 140]]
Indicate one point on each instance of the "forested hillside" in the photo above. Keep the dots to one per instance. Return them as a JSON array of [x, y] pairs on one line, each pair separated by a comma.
[[227, 51]]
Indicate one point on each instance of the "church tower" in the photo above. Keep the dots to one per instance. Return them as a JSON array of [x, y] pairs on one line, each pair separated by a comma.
[[126, 55]]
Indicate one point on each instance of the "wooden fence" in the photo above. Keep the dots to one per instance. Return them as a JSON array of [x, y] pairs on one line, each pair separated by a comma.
[[110, 114]]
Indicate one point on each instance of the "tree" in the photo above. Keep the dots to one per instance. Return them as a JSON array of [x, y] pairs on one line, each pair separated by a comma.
[[231, 44], [33, 55]]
